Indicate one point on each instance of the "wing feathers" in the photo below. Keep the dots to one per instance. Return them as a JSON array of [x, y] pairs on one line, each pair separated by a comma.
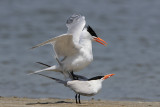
[[63, 45], [51, 41]]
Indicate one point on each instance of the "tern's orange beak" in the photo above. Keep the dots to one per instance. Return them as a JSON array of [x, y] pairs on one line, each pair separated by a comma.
[[107, 76], [101, 41]]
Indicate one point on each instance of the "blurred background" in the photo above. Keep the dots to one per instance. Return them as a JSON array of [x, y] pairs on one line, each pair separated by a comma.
[[130, 27]]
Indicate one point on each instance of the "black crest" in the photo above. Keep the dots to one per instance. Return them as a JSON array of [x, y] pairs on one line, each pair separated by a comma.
[[91, 31], [96, 78]]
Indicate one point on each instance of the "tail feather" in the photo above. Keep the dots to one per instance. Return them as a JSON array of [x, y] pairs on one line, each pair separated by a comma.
[[66, 74], [57, 80], [52, 68], [71, 75], [43, 64]]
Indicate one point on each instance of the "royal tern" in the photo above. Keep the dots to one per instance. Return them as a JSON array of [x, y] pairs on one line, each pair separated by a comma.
[[88, 87], [75, 46]]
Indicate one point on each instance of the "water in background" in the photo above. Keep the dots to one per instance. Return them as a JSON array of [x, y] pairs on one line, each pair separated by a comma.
[[131, 28]]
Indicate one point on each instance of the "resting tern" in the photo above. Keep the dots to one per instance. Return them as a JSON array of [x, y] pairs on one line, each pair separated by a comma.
[[75, 46], [88, 87]]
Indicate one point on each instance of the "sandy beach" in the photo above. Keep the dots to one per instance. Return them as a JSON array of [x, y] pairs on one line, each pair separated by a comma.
[[48, 102]]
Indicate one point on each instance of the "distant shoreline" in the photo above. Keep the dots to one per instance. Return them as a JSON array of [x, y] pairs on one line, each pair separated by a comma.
[[47, 102]]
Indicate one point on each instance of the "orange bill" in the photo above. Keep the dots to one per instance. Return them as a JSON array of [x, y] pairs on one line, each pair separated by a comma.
[[107, 76], [101, 41]]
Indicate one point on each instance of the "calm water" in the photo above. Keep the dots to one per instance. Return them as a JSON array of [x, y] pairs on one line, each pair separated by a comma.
[[131, 28]]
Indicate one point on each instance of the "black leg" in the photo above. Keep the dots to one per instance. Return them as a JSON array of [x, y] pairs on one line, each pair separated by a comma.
[[79, 99], [76, 98], [73, 76]]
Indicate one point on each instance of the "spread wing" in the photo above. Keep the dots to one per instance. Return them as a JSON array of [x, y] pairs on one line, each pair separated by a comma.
[[63, 45], [68, 44]]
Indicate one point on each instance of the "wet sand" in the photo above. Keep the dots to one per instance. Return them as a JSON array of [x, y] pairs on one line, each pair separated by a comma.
[[53, 102]]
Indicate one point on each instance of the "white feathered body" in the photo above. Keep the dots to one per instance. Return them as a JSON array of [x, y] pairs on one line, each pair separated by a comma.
[[85, 88], [83, 57]]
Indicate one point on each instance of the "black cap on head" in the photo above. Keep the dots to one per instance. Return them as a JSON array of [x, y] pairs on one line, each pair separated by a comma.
[[96, 78], [91, 31]]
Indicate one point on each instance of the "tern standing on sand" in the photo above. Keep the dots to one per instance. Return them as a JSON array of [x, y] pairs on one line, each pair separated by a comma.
[[88, 87]]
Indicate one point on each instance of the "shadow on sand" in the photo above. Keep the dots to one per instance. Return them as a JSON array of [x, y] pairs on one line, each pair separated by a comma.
[[58, 102]]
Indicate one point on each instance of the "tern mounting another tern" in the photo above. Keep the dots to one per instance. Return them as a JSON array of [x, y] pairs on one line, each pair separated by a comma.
[[75, 46]]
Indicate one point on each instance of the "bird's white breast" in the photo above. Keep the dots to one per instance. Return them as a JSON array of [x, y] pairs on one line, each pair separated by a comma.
[[80, 60], [86, 88], [77, 62]]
